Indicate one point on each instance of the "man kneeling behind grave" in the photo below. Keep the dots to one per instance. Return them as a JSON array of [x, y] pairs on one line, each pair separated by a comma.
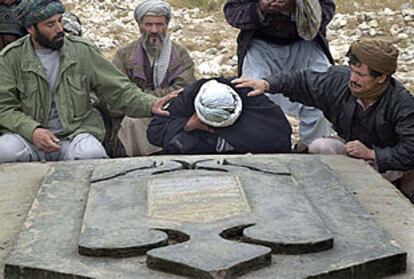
[[372, 113], [211, 116]]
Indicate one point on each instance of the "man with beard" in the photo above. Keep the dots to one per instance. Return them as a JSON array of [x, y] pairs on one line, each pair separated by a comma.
[[157, 65], [372, 113], [9, 29], [45, 84]]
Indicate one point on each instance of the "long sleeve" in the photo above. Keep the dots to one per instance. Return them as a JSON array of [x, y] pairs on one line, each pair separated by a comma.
[[311, 88], [400, 114], [11, 115]]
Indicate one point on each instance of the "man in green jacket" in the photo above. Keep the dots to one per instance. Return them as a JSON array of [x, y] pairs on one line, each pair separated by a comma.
[[45, 84]]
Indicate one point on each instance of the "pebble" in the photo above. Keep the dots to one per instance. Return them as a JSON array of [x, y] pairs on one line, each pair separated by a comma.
[[212, 42]]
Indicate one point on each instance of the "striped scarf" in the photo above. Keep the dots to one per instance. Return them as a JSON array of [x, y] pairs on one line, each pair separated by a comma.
[[308, 18]]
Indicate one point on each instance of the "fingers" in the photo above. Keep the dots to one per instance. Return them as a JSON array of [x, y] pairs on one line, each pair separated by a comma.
[[178, 91], [359, 150], [254, 93], [50, 143], [243, 82], [161, 112], [240, 82], [49, 147], [159, 107], [45, 140], [172, 95], [53, 144], [259, 86]]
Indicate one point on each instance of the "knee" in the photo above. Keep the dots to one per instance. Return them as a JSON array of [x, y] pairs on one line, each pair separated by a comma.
[[85, 147], [13, 149], [327, 146], [93, 152]]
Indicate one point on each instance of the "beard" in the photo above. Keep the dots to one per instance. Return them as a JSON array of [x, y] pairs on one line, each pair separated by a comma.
[[154, 43], [55, 44]]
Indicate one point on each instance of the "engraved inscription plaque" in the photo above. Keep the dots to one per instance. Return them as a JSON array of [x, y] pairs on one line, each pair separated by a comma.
[[196, 199]]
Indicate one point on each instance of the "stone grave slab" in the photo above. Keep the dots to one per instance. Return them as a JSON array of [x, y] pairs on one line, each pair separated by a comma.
[[225, 217]]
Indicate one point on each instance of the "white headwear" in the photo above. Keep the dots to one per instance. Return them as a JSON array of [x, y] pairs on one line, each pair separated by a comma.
[[217, 104], [153, 8]]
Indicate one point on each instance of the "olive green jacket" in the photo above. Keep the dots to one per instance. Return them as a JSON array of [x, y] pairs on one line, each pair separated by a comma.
[[25, 98]]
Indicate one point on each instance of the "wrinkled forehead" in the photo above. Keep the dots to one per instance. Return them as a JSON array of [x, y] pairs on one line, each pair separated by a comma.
[[154, 19]]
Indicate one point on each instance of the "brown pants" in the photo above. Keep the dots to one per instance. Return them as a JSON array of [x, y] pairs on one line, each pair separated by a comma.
[[133, 136], [403, 180]]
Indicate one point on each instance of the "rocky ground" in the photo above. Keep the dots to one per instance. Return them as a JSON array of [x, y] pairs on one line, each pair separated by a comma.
[[211, 41]]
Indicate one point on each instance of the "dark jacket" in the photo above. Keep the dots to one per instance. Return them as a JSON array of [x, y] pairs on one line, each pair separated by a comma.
[[261, 128], [393, 131], [279, 29]]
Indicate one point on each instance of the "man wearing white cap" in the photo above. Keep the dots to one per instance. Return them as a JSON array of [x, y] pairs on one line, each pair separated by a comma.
[[211, 116], [157, 65]]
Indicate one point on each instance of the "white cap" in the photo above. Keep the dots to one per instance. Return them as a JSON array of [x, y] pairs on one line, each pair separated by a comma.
[[217, 104]]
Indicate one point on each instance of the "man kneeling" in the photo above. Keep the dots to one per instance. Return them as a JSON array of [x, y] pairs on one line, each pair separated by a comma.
[[210, 116], [372, 113]]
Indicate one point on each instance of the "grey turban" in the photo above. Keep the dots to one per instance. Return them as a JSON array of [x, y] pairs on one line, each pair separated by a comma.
[[152, 8], [217, 104]]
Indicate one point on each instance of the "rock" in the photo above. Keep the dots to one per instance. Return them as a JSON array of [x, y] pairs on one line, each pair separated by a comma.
[[388, 12], [212, 42], [372, 32], [402, 36], [363, 26], [211, 51], [373, 23]]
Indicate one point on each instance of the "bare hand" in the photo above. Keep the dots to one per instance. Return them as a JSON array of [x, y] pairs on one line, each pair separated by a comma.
[[45, 140], [276, 6], [358, 150], [178, 91], [259, 86], [159, 107], [194, 123]]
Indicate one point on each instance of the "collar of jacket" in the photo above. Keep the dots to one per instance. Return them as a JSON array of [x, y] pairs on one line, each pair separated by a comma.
[[31, 62]]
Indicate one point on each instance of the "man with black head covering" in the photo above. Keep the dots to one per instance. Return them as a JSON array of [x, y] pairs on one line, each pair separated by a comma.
[[46, 79], [211, 116], [372, 113], [154, 63]]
